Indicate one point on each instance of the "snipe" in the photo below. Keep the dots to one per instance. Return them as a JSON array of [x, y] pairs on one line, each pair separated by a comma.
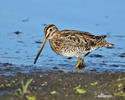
[[71, 43]]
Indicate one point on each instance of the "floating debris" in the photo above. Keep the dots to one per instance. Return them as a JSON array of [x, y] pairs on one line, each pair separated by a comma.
[[96, 55], [6, 64], [122, 55], [69, 58], [55, 67], [17, 32], [39, 42], [26, 19]]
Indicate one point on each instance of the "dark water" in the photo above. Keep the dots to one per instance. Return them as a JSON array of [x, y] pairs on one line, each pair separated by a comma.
[[22, 23]]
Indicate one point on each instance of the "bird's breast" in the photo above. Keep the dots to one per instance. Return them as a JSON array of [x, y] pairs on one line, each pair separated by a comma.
[[73, 52], [66, 50]]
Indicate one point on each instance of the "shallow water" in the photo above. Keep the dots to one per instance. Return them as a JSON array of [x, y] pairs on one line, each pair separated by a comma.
[[22, 23]]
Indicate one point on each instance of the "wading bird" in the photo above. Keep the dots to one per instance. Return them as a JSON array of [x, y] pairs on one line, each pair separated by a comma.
[[72, 43]]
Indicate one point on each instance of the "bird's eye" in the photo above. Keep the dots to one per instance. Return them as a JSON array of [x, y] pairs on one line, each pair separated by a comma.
[[50, 29]]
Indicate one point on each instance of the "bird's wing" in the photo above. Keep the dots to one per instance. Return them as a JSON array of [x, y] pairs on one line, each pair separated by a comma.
[[72, 37], [84, 37], [78, 37]]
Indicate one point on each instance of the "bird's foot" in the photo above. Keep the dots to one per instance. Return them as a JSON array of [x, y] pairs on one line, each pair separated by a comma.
[[80, 64]]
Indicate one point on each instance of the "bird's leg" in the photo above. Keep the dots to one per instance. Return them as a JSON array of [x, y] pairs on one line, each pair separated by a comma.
[[85, 56], [80, 64]]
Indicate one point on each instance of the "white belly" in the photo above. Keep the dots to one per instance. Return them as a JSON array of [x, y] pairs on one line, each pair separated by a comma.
[[73, 53]]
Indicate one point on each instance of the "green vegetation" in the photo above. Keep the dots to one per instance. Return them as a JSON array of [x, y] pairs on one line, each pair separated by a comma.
[[79, 90], [94, 83], [24, 89], [31, 97], [119, 84], [53, 92]]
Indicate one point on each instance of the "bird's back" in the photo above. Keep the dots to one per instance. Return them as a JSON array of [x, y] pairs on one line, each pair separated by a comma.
[[75, 43]]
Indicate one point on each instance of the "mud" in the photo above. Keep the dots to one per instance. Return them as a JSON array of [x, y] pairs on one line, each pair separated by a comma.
[[59, 85]]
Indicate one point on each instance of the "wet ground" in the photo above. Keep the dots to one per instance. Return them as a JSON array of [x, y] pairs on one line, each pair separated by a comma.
[[54, 77], [59, 85]]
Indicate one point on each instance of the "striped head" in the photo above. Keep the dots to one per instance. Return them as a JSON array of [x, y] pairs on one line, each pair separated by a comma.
[[50, 31]]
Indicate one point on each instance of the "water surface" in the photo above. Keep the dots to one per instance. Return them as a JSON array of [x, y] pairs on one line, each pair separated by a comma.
[[28, 18]]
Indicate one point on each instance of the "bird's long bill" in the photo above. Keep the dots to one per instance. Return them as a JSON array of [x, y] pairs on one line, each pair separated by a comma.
[[38, 54]]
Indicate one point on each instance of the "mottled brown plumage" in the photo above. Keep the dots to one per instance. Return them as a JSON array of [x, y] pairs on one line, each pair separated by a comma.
[[72, 43]]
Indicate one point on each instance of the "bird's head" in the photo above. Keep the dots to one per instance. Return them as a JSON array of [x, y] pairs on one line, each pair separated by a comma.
[[50, 31]]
